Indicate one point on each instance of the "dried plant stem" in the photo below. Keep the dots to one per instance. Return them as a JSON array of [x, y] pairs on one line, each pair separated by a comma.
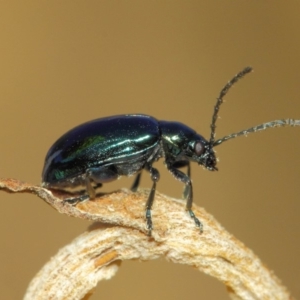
[[77, 268]]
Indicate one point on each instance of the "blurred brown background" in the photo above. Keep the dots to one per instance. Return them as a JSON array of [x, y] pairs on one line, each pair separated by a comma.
[[65, 62]]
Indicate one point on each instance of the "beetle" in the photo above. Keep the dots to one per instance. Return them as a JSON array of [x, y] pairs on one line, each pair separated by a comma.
[[104, 149]]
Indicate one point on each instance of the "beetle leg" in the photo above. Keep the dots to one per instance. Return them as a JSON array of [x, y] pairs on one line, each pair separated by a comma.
[[188, 190], [91, 193], [75, 200], [83, 191], [136, 182], [181, 164], [154, 177], [98, 175], [89, 188]]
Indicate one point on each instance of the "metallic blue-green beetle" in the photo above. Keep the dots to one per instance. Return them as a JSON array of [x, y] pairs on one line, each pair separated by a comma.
[[104, 149]]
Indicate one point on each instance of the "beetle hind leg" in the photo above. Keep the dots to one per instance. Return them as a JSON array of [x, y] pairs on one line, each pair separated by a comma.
[[98, 175], [89, 188], [75, 200], [90, 194]]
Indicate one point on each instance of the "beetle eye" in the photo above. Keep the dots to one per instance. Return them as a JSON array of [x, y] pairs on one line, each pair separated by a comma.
[[198, 148]]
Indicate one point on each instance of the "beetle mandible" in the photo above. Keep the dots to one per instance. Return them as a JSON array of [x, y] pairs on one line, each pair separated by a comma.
[[104, 149]]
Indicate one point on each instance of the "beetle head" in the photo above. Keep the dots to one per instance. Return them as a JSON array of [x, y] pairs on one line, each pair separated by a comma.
[[202, 152], [209, 159]]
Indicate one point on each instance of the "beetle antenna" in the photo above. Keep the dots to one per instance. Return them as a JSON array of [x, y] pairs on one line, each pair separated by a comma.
[[271, 124], [223, 92]]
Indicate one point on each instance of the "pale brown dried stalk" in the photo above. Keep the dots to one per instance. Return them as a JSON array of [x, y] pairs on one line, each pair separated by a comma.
[[77, 268]]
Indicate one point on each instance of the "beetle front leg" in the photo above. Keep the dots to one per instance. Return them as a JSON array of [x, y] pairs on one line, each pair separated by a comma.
[[188, 191], [154, 177], [182, 164]]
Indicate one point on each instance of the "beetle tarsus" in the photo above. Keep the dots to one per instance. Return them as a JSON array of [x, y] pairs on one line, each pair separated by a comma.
[[196, 220], [75, 200]]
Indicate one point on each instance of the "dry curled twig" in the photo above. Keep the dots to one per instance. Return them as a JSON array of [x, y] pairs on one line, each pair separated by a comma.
[[77, 268]]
